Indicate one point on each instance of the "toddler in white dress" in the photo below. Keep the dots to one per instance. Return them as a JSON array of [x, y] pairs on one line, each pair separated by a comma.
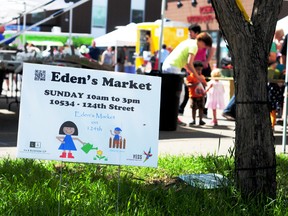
[[215, 95]]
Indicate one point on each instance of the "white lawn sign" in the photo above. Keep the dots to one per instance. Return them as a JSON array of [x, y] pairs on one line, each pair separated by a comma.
[[89, 116]]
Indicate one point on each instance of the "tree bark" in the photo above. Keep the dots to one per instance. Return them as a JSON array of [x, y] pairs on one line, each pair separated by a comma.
[[249, 46]]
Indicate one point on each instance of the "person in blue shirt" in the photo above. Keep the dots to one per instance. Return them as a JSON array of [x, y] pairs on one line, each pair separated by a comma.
[[94, 52]]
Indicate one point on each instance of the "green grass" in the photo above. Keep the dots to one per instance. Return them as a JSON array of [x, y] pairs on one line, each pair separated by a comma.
[[32, 187]]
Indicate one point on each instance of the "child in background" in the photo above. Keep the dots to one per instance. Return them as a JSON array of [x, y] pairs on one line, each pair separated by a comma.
[[196, 93], [215, 95]]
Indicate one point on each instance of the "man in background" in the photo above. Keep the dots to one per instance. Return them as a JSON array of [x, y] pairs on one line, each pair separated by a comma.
[[121, 58], [194, 30], [94, 52], [164, 54]]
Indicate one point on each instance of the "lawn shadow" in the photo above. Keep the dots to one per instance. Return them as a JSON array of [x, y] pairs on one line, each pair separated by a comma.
[[8, 127]]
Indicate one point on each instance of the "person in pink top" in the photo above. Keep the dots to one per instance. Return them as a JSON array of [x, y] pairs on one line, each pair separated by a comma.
[[205, 55]]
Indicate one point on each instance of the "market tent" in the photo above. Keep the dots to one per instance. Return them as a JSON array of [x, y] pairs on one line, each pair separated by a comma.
[[123, 36], [45, 6], [283, 24], [10, 10]]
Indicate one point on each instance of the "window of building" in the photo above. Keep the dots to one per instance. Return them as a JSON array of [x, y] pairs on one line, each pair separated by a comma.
[[36, 17], [137, 11], [99, 14], [137, 16]]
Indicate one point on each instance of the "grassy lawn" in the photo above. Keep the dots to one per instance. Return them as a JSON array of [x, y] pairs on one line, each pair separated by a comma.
[[34, 187]]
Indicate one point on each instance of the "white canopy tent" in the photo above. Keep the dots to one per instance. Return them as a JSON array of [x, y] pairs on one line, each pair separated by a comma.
[[10, 10], [52, 4], [123, 36], [283, 24]]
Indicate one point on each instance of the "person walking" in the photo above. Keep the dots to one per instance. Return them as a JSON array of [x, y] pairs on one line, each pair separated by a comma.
[[215, 95], [183, 57], [205, 56], [196, 86], [194, 30]]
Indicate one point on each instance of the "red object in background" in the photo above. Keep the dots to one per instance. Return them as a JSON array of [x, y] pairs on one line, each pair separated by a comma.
[[200, 19], [228, 67], [2, 29], [155, 65], [206, 10]]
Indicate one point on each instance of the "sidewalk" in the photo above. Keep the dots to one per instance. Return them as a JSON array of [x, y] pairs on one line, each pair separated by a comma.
[[196, 140], [204, 140]]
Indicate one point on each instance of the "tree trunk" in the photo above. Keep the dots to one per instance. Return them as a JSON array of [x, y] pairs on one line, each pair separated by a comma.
[[249, 46]]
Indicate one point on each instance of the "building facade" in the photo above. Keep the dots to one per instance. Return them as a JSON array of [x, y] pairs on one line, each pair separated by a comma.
[[98, 17], [203, 13]]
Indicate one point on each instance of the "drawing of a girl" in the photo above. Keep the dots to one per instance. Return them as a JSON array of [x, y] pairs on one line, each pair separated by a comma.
[[68, 129]]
